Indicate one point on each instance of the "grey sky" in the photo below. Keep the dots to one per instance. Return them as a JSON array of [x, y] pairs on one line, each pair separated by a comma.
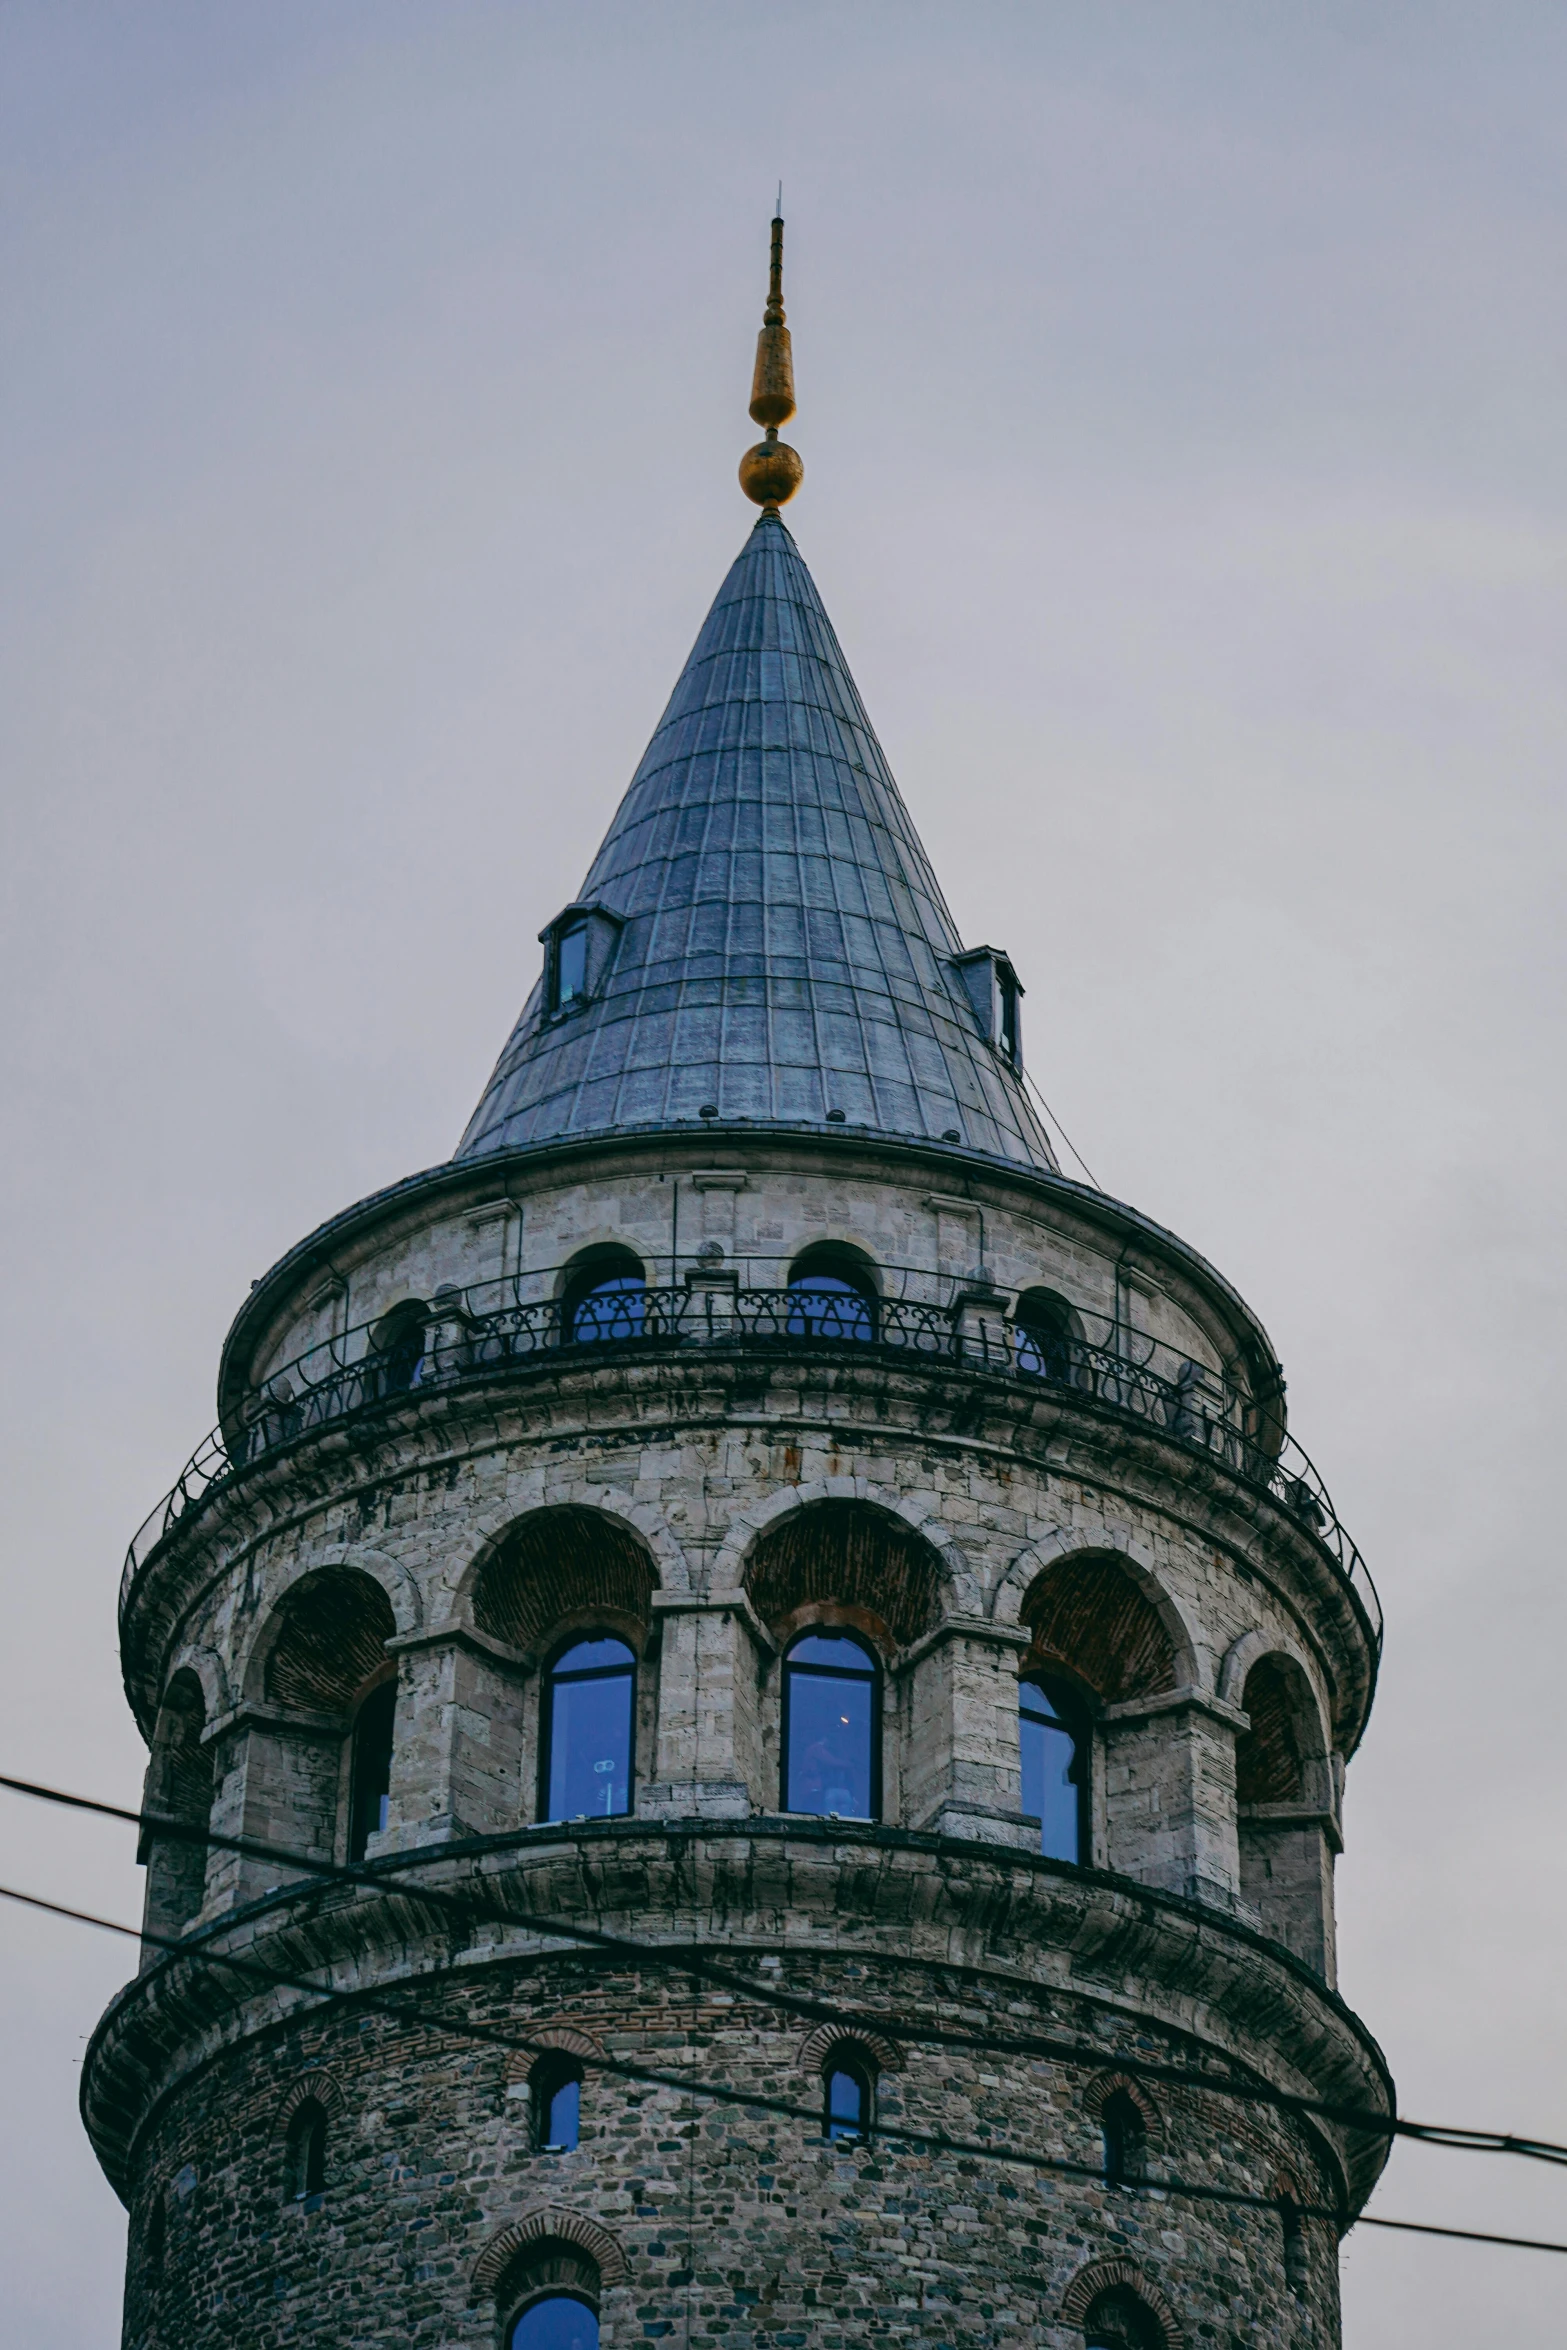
[[1183, 401]]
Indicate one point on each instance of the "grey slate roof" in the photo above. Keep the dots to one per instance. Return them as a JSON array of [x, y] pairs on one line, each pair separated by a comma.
[[785, 948]]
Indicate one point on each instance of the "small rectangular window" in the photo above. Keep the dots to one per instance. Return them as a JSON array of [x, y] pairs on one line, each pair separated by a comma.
[[1009, 1037], [571, 965]]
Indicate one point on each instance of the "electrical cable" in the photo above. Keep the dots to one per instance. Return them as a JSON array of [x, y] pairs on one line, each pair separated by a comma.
[[404, 2013], [473, 1906], [1061, 1130]]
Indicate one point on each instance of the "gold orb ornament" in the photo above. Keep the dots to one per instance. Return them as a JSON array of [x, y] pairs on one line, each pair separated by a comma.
[[771, 472]]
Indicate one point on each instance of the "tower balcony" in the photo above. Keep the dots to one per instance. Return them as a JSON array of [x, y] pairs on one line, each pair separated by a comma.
[[1098, 1369]]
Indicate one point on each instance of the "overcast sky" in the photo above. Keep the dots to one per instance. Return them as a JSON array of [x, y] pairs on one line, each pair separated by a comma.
[[1183, 399]]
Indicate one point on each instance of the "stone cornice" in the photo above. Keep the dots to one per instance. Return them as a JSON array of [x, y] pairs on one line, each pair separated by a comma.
[[765, 1885]]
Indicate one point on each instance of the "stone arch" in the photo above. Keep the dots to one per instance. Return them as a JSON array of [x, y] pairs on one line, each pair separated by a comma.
[[211, 1678], [535, 2233], [817, 2046], [1120, 2276], [1091, 1612], [1104, 2086], [854, 1558], [750, 1527], [397, 1586], [1060, 1573], [324, 1639], [313, 2086], [1281, 1756], [819, 1252], [560, 1563], [557, 2037]]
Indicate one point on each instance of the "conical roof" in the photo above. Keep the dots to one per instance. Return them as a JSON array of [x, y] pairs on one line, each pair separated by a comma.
[[783, 950]]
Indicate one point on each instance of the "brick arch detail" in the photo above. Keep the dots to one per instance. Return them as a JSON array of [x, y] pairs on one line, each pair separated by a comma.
[[397, 1584], [207, 1667], [319, 2086], [1100, 2276], [550, 2224], [963, 1596], [817, 2046], [1104, 2086], [557, 2037], [671, 1567], [1250, 1649], [1192, 1661]]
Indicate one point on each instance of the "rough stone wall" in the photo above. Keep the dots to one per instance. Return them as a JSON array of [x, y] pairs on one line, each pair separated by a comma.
[[748, 2229]]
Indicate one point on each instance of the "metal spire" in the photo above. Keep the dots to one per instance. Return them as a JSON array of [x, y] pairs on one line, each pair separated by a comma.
[[772, 472]]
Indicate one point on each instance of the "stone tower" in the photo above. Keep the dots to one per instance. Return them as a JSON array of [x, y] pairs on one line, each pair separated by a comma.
[[745, 1583]]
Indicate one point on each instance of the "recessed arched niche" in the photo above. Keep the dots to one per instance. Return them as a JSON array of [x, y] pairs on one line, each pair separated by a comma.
[[1088, 1613], [850, 1558], [556, 1568]]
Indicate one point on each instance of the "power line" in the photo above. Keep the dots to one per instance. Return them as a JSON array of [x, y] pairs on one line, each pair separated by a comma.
[[471, 1906], [404, 2013]]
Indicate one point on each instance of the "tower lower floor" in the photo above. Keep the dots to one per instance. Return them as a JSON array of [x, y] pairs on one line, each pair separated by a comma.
[[488, 2117]]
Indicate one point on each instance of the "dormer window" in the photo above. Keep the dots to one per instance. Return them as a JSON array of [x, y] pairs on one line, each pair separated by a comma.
[[579, 946], [571, 965], [996, 993]]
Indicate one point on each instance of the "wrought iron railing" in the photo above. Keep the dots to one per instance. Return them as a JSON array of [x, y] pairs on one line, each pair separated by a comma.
[[474, 1333]]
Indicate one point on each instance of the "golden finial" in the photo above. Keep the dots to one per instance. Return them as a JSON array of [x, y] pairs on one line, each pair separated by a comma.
[[772, 471]]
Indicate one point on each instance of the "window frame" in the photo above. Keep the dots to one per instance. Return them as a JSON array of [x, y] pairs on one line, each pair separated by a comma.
[[560, 938], [531, 2299], [556, 2070], [852, 2062], [589, 1273], [876, 1675], [563, 1647], [304, 2152], [841, 1262], [383, 1691], [1074, 1715]]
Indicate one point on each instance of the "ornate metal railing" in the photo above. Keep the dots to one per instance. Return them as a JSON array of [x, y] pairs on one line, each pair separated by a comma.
[[473, 1333]]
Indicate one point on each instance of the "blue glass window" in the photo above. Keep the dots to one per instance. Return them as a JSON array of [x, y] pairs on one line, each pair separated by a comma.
[[1053, 1736], [557, 2322], [571, 965], [587, 1732], [557, 2103], [371, 1775], [605, 1299], [832, 1727], [848, 2100], [1044, 1335], [830, 1298]]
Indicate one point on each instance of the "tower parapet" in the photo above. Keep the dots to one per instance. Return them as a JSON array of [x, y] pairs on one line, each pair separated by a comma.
[[748, 1510]]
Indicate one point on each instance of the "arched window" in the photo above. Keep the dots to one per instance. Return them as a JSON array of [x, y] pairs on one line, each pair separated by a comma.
[[832, 1727], [1054, 1739], [1045, 1334], [397, 1344], [1125, 2139], [304, 2158], [604, 1298], [848, 2095], [831, 1295], [586, 1746], [555, 2092], [371, 1776], [1118, 2320], [556, 2321]]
